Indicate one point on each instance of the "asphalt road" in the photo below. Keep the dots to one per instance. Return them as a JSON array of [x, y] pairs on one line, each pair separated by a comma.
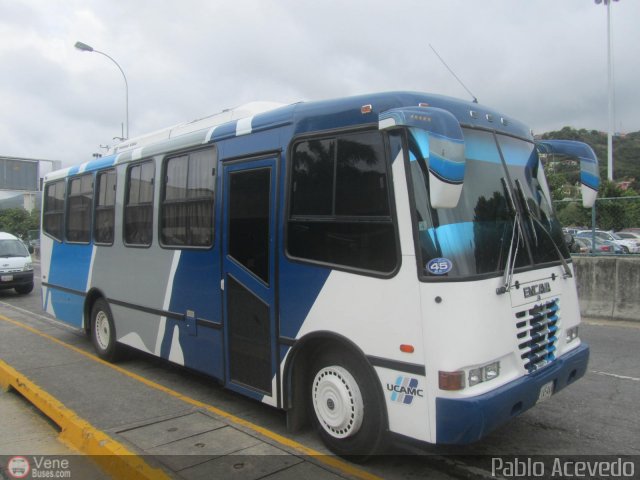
[[598, 415]]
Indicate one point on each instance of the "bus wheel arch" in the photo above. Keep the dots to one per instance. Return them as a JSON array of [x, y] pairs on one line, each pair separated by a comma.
[[92, 295], [330, 383]]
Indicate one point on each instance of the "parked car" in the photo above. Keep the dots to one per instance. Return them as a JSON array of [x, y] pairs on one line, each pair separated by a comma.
[[581, 245], [633, 236], [602, 246], [629, 246], [617, 248], [16, 267]]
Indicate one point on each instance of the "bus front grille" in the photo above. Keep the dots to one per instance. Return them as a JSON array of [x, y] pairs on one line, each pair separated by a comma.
[[537, 329]]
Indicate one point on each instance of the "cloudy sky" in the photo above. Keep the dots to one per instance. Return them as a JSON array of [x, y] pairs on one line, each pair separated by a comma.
[[541, 61]]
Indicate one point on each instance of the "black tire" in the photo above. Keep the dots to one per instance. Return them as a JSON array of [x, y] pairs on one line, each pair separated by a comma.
[[24, 289], [103, 331], [346, 405]]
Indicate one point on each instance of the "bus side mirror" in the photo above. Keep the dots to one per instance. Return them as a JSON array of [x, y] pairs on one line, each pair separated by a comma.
[[589, 171], [437, 137]]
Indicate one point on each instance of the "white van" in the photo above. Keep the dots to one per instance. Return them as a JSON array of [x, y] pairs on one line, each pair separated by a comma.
[[16, 268]]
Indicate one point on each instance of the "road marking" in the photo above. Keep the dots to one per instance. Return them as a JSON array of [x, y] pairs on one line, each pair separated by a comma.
[[50, 320], [621, 377], [112, 456], [331, 461]]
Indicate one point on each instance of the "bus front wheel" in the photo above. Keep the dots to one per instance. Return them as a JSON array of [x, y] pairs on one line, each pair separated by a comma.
[[345, 405], [103, 331]]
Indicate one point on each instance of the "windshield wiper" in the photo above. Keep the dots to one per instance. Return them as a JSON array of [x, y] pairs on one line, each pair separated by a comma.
[[533, 218], [565, 265], [514, 244], [524, 202]]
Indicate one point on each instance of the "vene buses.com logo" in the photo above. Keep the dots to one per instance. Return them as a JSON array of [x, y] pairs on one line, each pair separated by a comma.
[[404, 390]]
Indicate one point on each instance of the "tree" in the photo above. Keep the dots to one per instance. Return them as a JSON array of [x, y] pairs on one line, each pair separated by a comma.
[[572, 214], [18, 221]]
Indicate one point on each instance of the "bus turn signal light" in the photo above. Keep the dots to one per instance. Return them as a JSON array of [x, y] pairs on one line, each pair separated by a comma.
[[451, 380], [407, 348]]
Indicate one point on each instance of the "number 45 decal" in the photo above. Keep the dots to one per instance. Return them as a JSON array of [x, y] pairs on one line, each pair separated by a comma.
[[439, 266]]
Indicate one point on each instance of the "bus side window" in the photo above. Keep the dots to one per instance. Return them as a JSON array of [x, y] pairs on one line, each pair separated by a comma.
[[138, 209], [186, 205], [53, 214], [104, 224], [339, 197], [80, 200]]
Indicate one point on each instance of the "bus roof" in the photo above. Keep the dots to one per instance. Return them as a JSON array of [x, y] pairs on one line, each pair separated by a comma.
[[303, 116]]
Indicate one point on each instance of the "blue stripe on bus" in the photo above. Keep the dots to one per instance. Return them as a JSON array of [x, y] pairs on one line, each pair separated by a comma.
[[590, 180], [69, 268], [196, 287], [300, 286], [226, 130], [93, 165], [448, 170]]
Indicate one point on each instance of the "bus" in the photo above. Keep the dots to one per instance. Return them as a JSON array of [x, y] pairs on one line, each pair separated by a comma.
[[384, 266]]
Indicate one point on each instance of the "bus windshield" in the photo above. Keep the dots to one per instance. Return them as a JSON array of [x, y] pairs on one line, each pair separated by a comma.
[[475, 238]]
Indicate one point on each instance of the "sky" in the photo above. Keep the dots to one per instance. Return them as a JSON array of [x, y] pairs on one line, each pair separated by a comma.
[[541, 61]]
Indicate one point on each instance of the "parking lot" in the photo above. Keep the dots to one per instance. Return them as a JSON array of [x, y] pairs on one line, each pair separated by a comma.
[[596, 416]]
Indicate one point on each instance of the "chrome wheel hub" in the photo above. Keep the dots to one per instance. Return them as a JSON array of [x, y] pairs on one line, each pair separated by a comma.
[[337, 402], [102, 330]]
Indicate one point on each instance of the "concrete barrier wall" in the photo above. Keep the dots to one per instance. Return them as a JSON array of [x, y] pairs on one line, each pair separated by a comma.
[[609, 286]]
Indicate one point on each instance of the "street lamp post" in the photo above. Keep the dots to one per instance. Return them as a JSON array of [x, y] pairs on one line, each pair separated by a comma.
[[86, 48], [610, 90]]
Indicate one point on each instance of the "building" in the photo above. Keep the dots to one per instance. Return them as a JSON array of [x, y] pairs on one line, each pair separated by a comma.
[[21, 181]]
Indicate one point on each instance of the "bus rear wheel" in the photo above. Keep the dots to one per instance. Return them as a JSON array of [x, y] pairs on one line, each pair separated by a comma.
[[103, 331], [345, 405]]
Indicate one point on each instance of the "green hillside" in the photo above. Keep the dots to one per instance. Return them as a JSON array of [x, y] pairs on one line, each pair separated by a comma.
[[618, 206], [626, 151]]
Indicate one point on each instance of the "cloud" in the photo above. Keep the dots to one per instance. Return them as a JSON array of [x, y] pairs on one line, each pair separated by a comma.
[[543, 62]]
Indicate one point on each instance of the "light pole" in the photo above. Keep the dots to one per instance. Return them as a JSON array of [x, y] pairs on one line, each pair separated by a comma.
[[86, 48], [610, 89]]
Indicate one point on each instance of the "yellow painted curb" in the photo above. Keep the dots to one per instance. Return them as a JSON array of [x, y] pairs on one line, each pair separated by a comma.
[[112, 456], [330, 460]]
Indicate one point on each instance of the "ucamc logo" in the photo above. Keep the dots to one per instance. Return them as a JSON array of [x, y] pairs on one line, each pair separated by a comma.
[[405, 390]]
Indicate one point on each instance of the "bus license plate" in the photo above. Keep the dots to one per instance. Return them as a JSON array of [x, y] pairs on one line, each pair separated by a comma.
[[545, 392], [7, 278]]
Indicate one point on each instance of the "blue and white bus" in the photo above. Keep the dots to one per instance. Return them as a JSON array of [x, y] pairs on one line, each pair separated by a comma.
[[382, 265]]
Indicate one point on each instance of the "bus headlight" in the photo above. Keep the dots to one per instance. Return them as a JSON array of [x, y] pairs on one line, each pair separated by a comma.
[[484, 374], [572, 334], [27, 266]]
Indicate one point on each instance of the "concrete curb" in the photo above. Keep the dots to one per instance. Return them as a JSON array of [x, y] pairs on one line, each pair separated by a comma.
[[113, 457]]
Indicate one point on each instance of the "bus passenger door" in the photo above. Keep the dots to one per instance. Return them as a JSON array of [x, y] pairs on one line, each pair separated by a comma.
[[248, 245]]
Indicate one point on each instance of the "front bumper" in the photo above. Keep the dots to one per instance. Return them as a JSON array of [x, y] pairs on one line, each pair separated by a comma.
[[15, 279], [466, 420]]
